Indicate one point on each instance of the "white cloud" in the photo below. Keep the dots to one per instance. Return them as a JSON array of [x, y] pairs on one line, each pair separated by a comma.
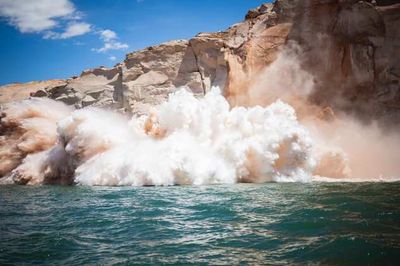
[[36, 15], [110, 42], [72, 30], [111, 46], [112, 58], [76, 29], [55, 19], [108, 35]]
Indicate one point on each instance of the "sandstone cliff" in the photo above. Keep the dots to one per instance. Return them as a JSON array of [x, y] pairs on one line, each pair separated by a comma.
[[351, 48]]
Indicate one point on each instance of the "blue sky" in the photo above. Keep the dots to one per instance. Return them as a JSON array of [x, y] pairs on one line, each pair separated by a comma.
[[45, 39]]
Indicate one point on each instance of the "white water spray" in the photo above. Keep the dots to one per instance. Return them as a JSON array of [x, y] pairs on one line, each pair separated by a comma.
[[184, 141]]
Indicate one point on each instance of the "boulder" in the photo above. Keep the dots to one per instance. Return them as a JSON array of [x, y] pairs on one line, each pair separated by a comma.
[[40, 93], [22, 91], [69, 99], [88, 100]]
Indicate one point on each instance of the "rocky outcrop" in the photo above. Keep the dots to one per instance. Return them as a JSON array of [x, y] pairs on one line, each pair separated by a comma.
[[352, 48], [148, 75], [21, 91]]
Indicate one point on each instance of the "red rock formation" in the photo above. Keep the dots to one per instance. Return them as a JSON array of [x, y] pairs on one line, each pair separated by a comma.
[[351, 48]]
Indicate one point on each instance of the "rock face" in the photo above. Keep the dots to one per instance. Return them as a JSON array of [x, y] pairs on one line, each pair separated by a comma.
[[21, 91], [352, 48]]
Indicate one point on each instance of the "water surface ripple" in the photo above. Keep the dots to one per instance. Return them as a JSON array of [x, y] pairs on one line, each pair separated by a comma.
[[349, 223]]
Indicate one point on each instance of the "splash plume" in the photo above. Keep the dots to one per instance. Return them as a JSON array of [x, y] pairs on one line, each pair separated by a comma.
[[28, 127], [281, 136], [203, 141]]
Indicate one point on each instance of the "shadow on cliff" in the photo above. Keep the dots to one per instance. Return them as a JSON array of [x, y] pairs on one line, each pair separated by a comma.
[[338, 70], [349, 48]]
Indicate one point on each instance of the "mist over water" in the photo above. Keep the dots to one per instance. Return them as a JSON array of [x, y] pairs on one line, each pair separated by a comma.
[[277, 135], [344, 147], [184, 141]]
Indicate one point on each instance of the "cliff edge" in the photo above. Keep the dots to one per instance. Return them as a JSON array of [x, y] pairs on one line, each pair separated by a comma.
[[351, 48]]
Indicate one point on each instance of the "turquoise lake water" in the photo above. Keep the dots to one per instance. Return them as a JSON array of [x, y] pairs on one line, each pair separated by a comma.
[[273, 223]]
